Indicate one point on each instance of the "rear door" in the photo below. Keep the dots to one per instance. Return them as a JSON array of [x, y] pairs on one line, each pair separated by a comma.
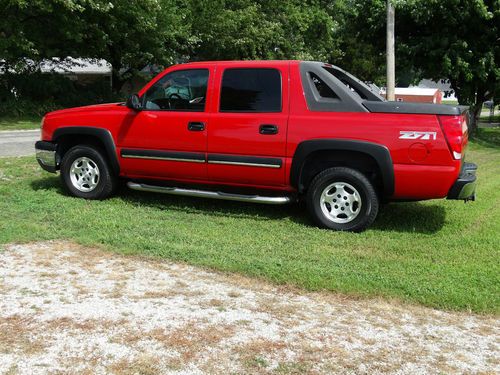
[[247, 133]]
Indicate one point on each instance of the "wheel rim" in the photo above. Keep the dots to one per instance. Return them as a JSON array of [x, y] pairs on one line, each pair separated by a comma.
[[340, 202], [84, 174]]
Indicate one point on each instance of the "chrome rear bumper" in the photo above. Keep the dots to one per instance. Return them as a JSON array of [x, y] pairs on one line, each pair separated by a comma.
[[464, 187]]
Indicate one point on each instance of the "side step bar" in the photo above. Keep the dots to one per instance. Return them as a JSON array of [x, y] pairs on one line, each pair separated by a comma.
[[209, 194]]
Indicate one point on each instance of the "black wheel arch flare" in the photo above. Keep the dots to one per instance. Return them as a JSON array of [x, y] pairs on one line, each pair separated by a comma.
[[104, 135], [379, 153]]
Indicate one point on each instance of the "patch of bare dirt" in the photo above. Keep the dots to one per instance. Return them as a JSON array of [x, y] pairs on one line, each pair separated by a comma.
[[69, 309]]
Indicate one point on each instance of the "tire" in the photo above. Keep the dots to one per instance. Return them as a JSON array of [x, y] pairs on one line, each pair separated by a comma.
[[342, 199], [86, 173]]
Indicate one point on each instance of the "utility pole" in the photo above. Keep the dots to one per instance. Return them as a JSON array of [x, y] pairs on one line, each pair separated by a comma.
[[391, 65]]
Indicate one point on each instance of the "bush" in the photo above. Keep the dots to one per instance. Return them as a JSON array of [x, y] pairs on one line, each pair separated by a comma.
[[36, 93], [13, 108]]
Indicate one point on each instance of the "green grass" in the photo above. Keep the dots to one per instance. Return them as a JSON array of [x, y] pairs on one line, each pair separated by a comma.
[[488, 136], [439, 253], [24, 123], [485, 117]]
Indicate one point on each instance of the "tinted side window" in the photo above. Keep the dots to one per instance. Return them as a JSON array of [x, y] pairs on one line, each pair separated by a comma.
[[345, 80], [322, 88], [182, 90], [251, 90]]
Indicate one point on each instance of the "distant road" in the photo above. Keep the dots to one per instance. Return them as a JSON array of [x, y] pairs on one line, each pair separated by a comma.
[[18, 142]]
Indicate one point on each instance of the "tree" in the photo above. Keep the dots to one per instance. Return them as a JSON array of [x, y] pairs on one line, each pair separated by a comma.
[[127, 33], [309, 30], [229, 30], [31, 31], [136, 33], [362, 40], [454, 39], [263, 29], [40, 29], [436, 39], [131, 34]]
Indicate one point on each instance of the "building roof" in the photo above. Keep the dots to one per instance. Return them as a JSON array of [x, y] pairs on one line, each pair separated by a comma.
[[72, 65], [441, 84]]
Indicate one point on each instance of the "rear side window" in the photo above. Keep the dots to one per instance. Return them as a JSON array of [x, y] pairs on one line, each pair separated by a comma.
[[358, 87], [251, 90], [322, 88]]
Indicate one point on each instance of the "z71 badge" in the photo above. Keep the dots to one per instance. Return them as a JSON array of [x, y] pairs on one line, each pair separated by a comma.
[[417, 135]]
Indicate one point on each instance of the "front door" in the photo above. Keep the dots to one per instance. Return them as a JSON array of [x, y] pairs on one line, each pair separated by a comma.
[[168, 137], [247, 134]]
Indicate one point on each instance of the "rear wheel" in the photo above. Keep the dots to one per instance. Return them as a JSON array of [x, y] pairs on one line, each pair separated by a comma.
[[86, 174], [342, 199]]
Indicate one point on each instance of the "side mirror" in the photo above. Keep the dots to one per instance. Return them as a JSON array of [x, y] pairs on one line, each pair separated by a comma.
[[133, 102]]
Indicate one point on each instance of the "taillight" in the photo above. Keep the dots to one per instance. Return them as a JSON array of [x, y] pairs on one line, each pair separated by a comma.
[[455, 132]]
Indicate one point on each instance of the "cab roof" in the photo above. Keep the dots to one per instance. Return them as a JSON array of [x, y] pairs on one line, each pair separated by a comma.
[[241, 62]]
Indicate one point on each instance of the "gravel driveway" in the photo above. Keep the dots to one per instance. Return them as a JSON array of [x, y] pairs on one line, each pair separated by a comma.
[[65, 308]]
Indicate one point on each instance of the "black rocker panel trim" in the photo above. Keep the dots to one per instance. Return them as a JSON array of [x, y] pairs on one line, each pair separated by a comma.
[[103, 135], [195, 157], [380, 153], [252, 161]]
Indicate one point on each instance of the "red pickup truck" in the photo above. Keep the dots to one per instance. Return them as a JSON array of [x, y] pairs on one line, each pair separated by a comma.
[[268, 132]]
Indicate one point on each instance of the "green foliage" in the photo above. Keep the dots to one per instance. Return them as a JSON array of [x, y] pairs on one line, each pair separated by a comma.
[[436, 39], [140, 32], [21, 108], [135, 33], [37, 94], [39, 29], [438, 253], [363, 40], [129, 34], [230, 30], [263, 29], [454, 39]]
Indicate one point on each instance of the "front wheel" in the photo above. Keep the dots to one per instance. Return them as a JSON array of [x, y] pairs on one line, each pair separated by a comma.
[[342, 199], [86, 174]]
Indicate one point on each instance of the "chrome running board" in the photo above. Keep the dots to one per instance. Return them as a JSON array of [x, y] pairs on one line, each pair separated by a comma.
[[209, 194]]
